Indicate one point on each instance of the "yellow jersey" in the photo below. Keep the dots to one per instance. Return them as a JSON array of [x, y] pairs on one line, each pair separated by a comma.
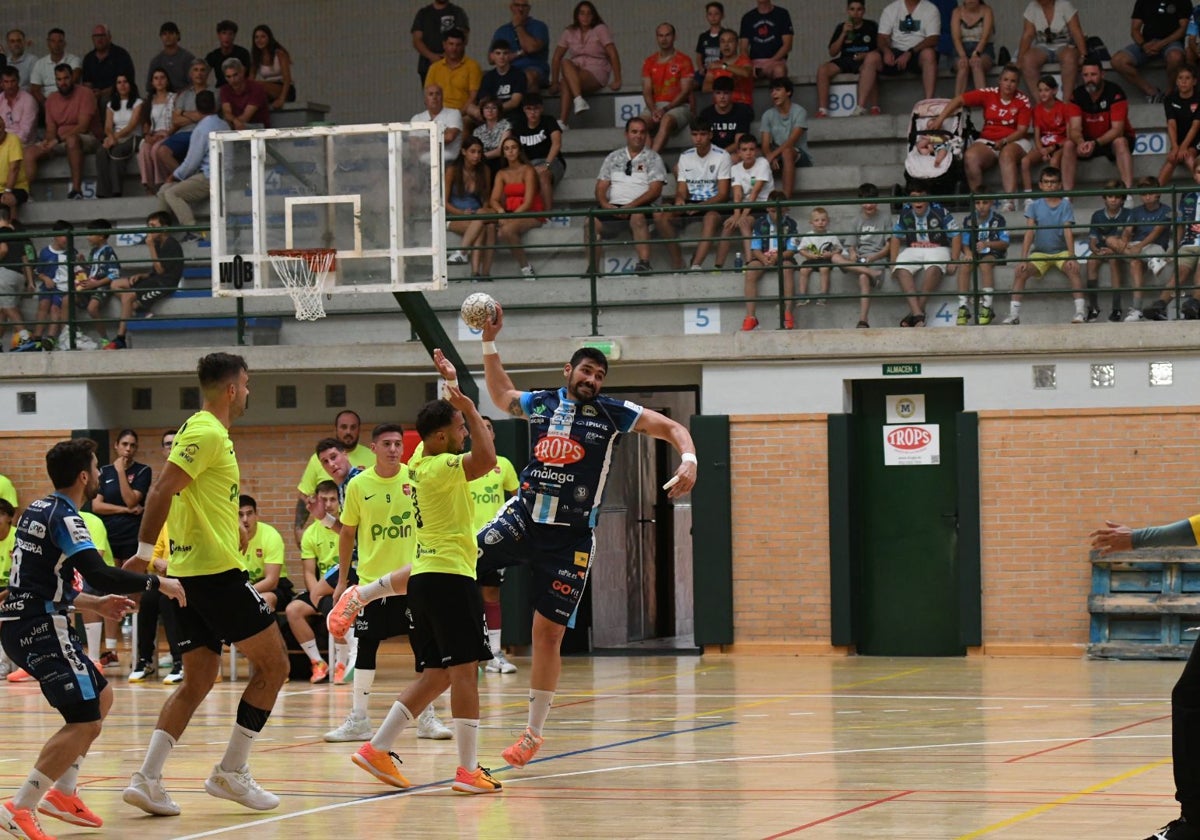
[[321, 544], [490, 491], [382, 511], [203, 521], [445, 515], [314, 473], [264, 549], [6, 549], [95, 526]]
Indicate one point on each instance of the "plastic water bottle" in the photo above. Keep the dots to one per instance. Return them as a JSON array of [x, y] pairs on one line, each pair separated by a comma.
[[737, 261]]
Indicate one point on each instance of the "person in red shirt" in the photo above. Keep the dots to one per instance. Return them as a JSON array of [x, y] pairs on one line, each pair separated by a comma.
[[1051, 144], [1004, 137], [733, 65], [1099, 124], [667, 81], [1182, 107]]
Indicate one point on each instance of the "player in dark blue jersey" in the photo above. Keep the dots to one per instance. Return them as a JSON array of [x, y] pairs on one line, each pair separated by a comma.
[[549, 523], [52, 543]]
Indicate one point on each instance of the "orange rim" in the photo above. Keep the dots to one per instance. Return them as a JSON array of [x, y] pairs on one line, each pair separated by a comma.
[[315, 257]]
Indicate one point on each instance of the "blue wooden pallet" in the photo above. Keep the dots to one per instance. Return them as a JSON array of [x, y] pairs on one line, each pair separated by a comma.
[[1145, 604]]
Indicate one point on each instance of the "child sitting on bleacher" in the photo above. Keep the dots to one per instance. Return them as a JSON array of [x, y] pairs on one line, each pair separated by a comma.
[[103, 269], [53, 282], [818, 250]]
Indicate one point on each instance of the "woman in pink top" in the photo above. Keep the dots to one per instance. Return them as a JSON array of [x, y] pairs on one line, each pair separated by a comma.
[[593, 63]]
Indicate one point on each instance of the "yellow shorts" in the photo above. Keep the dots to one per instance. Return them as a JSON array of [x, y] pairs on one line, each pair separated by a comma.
[[1044, 262]]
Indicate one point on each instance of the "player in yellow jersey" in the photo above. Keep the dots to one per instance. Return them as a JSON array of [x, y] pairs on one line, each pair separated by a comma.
[[264, 557], [447, 636], [318, 555], [346, 426], [8, 536], [377, 518], [197, 496], [489, 492]]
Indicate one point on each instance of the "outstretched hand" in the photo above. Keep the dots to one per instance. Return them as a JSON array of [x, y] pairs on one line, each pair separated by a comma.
[[1112, 537], [444, 366], [490, 331], [115, 607]]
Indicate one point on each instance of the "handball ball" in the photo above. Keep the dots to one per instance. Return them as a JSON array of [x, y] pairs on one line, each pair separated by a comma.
[[478, 310]]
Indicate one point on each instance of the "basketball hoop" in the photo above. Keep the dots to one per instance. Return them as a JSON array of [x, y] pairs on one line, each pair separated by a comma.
[[304, 273]]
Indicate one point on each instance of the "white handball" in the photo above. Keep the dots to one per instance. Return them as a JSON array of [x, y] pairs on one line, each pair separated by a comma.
[[478, 310]]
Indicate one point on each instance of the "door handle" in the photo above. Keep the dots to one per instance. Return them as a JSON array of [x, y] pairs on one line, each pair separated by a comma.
[[647, 521]]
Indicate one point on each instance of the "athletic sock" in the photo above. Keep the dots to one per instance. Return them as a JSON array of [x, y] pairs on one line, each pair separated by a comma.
[[987, 296], [94, 630], [962, 300], [381, 588], [341, 653], [363, 680], [539, 709], [69, 780], [397, 718], [31, 792], [310, 648], [1015, 307], [161, 744], [1079, 304], [466, 738], [494, 641], [237, 753]]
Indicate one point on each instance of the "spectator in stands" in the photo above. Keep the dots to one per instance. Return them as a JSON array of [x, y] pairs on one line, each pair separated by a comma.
[[457, 74], [331, 460], [188, 183], [468, 190], [243, 101], [174, 60], [491, 132], [19, 56], [1182, 107], [18, 108], [515, 190], [869, 248], [1051, 32], [263, 559], [1108, 237], [448, 119], [1004, 138], [972, 26], [184, 118], [1049, 243], [584, 61], [734, 66], [855, 49], [1052, 144], [819, 250], [429, 24], [667, 81], [103, 268], [784, 134], [1192, 38], [729, 120], [1157, 29], [52, 284], [702, 179], [908, 37], [1099, 125], [70, 113], [122, 129], [12, 170], [1148, 245], [708, 45], [752, 182], [157, 116], [772, 245], [16, 276], [101, 67], [1187, 254], [226, 49], [925, 240], [531, 40], [42, 82], [766, 36], [985, 242], [631, 176], [541, 138], [502, 84], [141, 291], [271, 67]]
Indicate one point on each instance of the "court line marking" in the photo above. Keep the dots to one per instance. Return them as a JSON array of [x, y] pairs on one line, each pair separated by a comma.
[[840, 814], [1015, 759], [1063, 800]]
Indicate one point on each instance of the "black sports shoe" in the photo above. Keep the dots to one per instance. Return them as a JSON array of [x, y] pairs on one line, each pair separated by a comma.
[[1093, 314], [1116, 316], [1156, 311], [1179, 829], [1191, 309]]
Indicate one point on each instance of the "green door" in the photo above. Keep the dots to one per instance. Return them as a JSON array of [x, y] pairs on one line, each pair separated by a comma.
[[907, 600]]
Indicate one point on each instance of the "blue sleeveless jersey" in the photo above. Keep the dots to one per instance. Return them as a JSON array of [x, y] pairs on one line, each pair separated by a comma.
[[563, 483], [49, 533]]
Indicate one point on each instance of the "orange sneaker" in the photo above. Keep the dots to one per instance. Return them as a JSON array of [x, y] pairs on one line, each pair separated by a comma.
[[381, 765], [479, 781], [68, 808], [789, 323], [341, 617], [749, 323], [339, 674], [522, 752], [21, 822], [19, 675], [320, 672]]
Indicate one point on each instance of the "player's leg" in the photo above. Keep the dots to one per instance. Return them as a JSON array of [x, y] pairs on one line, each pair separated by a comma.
[[380, 620], [298, 613]]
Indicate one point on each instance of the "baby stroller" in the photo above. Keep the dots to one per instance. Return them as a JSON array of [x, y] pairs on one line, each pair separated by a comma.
[[935, 158]]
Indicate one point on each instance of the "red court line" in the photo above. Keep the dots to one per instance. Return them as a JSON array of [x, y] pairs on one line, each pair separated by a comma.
[[833, 817], [1085, 740]]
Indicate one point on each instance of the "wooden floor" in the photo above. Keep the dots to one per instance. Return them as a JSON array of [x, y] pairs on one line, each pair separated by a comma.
[[694, 747]]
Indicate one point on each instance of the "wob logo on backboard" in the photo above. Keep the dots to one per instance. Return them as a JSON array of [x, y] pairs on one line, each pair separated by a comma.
[[911, 445]]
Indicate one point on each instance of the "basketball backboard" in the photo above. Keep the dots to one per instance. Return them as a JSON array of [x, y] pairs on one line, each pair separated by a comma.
[[373, 193]]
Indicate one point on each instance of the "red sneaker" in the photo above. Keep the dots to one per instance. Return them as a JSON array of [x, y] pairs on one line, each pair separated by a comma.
[[69, 809], [749, 323], [789, 323], [21, 822]]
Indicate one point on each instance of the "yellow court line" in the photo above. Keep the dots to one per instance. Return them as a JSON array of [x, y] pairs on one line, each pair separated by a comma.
[[884, 678], [1071, 797]]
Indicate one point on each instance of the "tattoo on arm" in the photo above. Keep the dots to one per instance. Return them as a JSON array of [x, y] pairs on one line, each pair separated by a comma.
[[514, 407]]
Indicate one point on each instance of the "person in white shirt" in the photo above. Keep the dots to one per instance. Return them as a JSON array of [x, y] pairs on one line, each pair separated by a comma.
[[41, 77], [702, 178], [18, 57], [449, 119], [631, 176], [752, 181], [908, 37]]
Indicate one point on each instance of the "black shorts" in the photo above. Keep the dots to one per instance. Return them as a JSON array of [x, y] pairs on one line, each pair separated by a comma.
[[1099, 151], [222, 609], [613, 226], [154, 287], [846, 64], [560, 558], [492, 577], [323, 605], [48, 647], [913, 66], [446, 615], [285, 591], [383, 619]]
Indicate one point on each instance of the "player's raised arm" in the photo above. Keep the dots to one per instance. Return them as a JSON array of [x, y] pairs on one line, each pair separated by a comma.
[[500, 388], [482, 457], [664, 428]]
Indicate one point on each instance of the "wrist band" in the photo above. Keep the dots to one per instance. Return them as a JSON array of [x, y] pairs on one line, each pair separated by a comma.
[[329, 521], [145, 550], [489, 348], [451, 383], [688, 458]]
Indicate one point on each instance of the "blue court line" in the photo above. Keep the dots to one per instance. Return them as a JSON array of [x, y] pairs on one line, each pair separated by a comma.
[[623, 743]]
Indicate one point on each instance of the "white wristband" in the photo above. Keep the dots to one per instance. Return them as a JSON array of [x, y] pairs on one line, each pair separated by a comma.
[[329, 521], [451, 383], [688, 458], [489, 348], [145, 550]]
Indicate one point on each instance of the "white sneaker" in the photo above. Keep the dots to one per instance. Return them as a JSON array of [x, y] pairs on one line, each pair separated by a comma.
[[1028, 204], [562, 126], [1081, 317], [1134, 314], [150, 796], [1008, 206], [1129, 204], [355, 727], [457, 258], [431, 727], [85, 342], [581, 105], [239, 786], [1013, 319], [527, 272], [499, 664]]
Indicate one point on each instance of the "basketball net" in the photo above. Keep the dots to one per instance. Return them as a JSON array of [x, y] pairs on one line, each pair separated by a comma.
[[305, 273]]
